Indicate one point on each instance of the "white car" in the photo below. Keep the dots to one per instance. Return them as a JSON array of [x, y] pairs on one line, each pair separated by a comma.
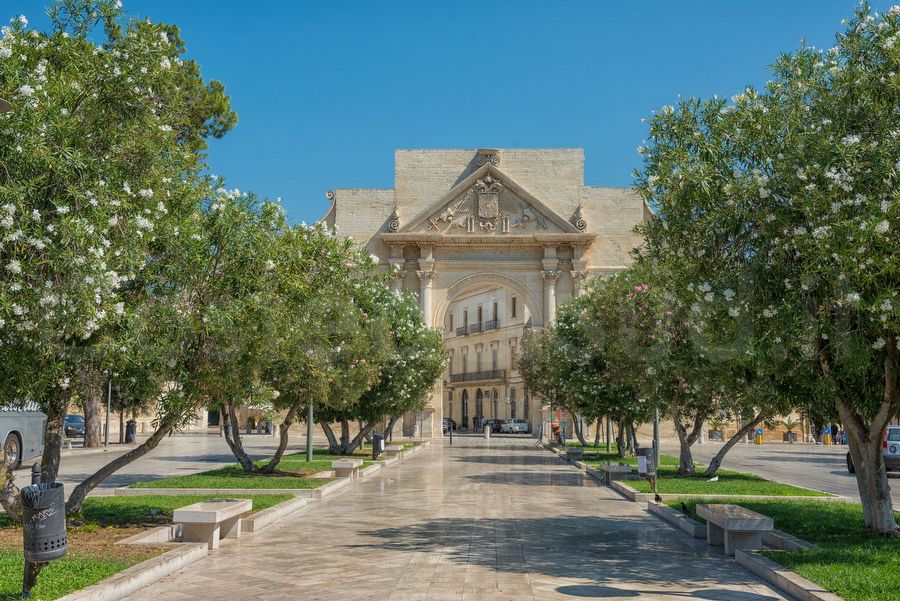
[[511, 426]]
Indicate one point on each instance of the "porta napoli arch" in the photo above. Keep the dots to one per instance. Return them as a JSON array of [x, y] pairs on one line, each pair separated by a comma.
[[492, 241]]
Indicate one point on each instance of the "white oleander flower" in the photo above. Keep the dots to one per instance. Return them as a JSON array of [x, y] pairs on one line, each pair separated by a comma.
[[879, 344], [883, 227]]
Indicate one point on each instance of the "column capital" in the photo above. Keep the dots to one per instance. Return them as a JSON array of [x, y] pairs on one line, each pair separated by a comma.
[[578, 275], [550, 275], [425, 276]]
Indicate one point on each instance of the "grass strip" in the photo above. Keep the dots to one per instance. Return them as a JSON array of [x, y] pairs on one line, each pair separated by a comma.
[[855, 564], [728, 482]]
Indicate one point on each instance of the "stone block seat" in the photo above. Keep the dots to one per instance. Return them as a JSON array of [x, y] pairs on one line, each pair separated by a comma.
[[734, 526], [346, 468], [208, 521], [393, 450], [615, 471], [574, 454]]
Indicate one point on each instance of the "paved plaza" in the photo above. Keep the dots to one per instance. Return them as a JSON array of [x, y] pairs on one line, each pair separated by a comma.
[[481, 520]]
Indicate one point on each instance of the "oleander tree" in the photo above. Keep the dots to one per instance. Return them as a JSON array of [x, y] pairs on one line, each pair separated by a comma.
[[783, 205], [409, 375], [99, 155]]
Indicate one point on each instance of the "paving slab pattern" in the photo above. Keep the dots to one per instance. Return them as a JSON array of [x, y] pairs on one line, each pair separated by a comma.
[[481, 520]]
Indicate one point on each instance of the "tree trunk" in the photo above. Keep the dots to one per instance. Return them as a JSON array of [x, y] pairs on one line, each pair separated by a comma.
[[576, 425], [53, 436], [632, 437], [235, 444], [122, 426], [9, 492], [345, 436], [621, 451], [716, 461], [686, 439], [597, 426], [92, 391], [333, 446], [865, 441], [76, 498], [391, 423], [357, 440], [282, 440]]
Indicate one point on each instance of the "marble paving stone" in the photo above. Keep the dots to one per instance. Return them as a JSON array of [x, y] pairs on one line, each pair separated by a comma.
[[482, 520]]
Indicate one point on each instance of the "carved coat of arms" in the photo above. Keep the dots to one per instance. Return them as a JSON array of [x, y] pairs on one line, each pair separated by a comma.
[[488, 191]]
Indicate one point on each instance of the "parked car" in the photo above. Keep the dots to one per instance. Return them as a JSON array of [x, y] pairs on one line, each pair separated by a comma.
[[512, 426], [496, 425], [890, 448], [74, 427], [22, 434], [447, 424]]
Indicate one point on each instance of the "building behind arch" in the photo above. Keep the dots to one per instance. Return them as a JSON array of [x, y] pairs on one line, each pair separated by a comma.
[[492, 241]]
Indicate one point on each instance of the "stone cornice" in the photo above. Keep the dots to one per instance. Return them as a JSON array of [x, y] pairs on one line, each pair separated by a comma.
[[477, 240]]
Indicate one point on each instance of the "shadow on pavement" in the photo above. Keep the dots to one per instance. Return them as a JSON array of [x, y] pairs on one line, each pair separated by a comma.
[[534, 479], [606, 549], [602, 592]]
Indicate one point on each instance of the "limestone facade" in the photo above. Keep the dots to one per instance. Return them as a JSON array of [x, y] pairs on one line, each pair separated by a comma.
[[471, 227]]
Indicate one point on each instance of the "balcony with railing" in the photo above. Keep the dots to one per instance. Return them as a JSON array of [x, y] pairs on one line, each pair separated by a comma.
[[477, 328], [479, 376]]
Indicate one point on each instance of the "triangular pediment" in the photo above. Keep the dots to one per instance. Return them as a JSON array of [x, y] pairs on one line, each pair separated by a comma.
[[488, 202]]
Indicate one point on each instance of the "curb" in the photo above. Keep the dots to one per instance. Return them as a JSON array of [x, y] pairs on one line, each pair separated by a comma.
[[686, 524], [138, 576], [782, 578]]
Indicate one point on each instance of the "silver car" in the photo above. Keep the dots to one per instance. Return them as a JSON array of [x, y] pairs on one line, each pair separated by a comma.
[[512, 426], [22, 434], [890, 449]]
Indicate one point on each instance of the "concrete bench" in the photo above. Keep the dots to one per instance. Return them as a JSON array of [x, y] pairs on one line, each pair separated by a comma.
[[574, 454], [208, 521], [614, 471], [393, 450], [346, 468], [734, 526]]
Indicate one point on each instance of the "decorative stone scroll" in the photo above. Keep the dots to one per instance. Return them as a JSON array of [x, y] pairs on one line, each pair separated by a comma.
[[487, 155], [578, 220], [394, 221]]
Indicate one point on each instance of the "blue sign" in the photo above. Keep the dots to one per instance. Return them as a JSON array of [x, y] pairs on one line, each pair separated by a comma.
[[827, 430], [759, 431]]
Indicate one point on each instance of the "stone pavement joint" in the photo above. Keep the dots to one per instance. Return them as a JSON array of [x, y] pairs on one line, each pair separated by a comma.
[[481, 520]]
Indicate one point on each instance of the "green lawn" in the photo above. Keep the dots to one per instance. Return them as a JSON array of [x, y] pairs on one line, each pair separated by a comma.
[[232, 476], [857, 565], [93, 554], [729, 482]]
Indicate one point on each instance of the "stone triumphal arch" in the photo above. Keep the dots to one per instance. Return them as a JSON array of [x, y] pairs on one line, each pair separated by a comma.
[[492, 241]]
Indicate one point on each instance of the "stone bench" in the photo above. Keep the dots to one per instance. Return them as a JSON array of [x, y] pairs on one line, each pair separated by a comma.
[[734, 526], [615, 471], [393, 450], [574, 454], [208, 521], [346, 468]]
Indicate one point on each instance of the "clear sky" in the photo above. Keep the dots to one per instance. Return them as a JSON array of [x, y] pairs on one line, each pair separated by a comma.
[[325, 91]]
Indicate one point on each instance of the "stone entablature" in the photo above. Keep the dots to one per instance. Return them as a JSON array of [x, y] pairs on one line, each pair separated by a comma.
[[457, 221]]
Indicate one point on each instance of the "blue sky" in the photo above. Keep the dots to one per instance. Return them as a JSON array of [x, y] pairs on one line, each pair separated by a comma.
[[325, 91]]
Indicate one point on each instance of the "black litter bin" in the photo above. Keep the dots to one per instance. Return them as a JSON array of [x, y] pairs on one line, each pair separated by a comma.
[[377, 445], [130, 430], [44, 522]]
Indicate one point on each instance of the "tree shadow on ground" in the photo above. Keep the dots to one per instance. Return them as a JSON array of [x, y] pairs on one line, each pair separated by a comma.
[[602, 592], [609, 550], [534, 479], [508, 459]]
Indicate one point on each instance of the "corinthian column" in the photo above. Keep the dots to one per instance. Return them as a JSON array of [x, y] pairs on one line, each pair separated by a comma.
[[578, 278], [550, 278], [425, 278]]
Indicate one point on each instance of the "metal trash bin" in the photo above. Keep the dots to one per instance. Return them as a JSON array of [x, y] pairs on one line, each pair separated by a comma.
[[44, 522], [130, 430], [646, 461], [377, 445]]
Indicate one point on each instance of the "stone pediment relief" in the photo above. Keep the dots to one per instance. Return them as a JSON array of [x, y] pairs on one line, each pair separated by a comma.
[[489, 203]]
